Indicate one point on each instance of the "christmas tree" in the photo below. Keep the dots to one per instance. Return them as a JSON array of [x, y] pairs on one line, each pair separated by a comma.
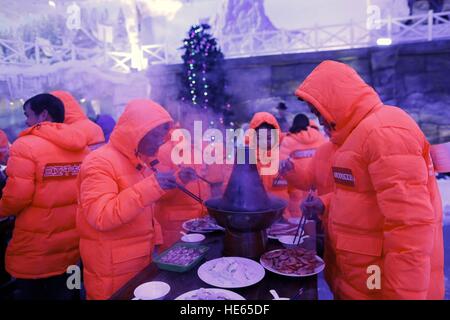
[[203, 78]]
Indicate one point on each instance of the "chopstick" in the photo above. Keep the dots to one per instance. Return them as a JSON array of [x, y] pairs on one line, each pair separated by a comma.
[[201, 178], [186, 191], [299, 232], [298, 294], [302, 232], [301, 225], [179, 186]]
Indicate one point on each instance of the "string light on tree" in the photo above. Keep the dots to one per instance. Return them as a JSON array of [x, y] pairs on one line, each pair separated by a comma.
[[203, 77]]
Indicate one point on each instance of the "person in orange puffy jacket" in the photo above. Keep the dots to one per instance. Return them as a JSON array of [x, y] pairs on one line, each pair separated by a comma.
[[175, 207], [75, 116], [273, 183], [41, 192], [300, 145], [385, 214], [117, 192]]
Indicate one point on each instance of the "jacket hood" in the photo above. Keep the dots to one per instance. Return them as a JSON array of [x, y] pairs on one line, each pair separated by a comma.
[[340, 95], [263, 117], [73, 110], [60, 134], [139, 117], [307, 137]]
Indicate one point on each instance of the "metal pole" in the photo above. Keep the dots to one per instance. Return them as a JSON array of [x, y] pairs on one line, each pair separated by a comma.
[[316, 38], [283, 41], [430, 25], [389, 26], [352, 35]]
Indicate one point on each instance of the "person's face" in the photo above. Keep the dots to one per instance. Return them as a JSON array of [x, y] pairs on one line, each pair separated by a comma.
[[33, 118], [326, 126], [150, 143]]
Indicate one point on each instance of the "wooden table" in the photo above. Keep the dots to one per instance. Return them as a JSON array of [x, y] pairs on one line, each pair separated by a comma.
[[183, 282]]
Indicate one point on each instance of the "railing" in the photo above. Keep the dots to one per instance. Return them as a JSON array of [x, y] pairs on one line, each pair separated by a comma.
[[25, 53], [424, 27]]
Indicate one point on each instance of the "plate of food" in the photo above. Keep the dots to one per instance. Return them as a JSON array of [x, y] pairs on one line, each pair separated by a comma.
[[231, 272], [295, 262], [181, 257], [210, 294], [279, 229], [202, 225]]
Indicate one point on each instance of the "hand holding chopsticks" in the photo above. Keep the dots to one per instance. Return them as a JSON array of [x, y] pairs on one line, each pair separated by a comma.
[[312, 206], [191, 174], [167, 181], [306, 213], [285, 167]]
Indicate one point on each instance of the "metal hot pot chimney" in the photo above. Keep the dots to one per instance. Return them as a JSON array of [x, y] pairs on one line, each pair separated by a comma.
[[245, 210]]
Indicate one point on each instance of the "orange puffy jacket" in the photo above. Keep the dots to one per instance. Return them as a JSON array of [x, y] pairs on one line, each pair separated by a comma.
[[385, 211], [75, 116], [115, 217], [300, 147], [274, 184], [41, 191]]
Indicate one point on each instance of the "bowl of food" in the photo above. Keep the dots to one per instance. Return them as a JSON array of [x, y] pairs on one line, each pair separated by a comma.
[[153, 290], [193, 237], [289, 241], [181, 257]]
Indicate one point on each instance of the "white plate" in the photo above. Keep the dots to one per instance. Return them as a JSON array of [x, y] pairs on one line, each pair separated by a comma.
[[215, 227], [319, 269], [230, 295], [152, 290], [193, 237], [247, 272]]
